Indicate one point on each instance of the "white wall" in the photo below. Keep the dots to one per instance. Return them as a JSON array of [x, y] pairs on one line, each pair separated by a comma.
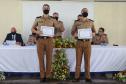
[[10, 15], [110, 15], [67, 10]]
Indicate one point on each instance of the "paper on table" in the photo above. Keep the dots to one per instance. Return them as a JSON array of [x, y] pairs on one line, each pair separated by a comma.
[[47, 31], [11, 42], [85, 33]]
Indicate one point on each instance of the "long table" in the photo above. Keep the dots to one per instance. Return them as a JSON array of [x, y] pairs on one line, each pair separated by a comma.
[[25, 59]]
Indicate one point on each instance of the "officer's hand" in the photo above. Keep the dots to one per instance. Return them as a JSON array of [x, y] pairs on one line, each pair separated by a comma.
[[51, 36], [75, 34], [93, 34], [18, 43], [38, 32]]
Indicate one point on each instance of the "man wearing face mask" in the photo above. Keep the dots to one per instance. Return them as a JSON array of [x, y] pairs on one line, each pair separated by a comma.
[[44, 43], [59, 27], [14, 36], [83, 45], [100, 38]]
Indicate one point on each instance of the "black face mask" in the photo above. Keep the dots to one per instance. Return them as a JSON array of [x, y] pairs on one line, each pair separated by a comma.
[[85, 14], [13, 33], [56, 18], [46, 11]]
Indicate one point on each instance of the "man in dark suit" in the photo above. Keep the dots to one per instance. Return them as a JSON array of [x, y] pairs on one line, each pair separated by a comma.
[[14, 36]]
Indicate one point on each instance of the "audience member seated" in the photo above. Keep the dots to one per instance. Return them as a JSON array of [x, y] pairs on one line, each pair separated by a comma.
[[100, 38], [14, 36], [31, 40]]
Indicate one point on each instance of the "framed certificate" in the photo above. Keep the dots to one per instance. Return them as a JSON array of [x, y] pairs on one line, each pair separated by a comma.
[[47, 31], [85, 33]]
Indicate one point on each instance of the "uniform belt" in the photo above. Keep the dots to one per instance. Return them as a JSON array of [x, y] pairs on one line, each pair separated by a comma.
[[57, 36], [43, 37], [83, 39]]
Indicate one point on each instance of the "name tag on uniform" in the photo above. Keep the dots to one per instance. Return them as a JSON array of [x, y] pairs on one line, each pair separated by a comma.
[[85, 33], [47, 31]]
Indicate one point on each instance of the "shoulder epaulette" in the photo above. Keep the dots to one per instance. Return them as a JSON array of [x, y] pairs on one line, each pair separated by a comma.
[[38, 17], [91, 20]]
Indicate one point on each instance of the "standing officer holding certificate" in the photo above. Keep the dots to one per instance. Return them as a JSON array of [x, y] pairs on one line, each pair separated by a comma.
[[44, 41], [83, 43]]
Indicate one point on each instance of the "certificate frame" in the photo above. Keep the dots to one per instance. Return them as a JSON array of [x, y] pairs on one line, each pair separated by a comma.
[[85, 33], [47, 31]]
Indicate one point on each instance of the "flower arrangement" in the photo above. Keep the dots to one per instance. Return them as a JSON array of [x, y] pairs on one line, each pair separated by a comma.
[[64, 43], [2, 76], [121, 76], [60, 68]]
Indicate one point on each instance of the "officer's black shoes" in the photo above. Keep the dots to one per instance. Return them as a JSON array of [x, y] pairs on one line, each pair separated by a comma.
[[42, 80], [76, 80], [48, 79], [88, 80]]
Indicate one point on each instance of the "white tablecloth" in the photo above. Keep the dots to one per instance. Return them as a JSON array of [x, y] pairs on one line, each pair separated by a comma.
[[25, 59]]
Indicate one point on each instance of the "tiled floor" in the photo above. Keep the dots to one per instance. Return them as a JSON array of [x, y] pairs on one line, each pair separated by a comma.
[[26, 79], [36, 81]]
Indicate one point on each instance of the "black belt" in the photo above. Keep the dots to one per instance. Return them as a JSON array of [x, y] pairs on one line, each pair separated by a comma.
[[43, 37], [83, 39], [57, 37]]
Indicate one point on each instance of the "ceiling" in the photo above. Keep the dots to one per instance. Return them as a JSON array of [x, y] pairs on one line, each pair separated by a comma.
[[82, 0]]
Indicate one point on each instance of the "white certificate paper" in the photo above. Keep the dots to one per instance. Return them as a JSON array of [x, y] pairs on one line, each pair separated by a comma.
[[11, 42], [85, 33], [47, 31]]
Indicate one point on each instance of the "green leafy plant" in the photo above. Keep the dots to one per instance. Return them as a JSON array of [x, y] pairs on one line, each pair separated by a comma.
[[2, 76], [121, 76], [58, 43], [60, 68], [65, 43]]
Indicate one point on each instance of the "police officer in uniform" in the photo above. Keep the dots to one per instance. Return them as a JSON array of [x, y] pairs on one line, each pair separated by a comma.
[[59, 27], [100, 38], [83, 45], [44, 44]]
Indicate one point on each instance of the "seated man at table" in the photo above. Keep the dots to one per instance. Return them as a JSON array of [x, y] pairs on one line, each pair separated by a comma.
[[31, 40], [14, 36], [100, 38]]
